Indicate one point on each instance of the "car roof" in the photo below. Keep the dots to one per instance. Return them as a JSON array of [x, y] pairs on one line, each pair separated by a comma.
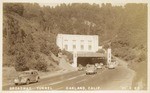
[[31, 71]]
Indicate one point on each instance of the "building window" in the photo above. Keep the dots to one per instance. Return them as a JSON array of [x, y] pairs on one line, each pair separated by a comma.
[[74, 40], [66, 40], [90, 47], [82, 40], [82, 47], [89, 42], [74, 47], [66, 47]]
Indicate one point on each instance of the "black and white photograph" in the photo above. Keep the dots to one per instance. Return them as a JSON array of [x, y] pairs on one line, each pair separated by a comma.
[[74, 46]]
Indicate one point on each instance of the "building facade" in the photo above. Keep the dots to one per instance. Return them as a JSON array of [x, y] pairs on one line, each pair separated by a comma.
[[78, 43]]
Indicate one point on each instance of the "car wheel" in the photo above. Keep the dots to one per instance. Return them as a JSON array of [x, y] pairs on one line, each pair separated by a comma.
[[28, 81], [16, 83], [37, 79]]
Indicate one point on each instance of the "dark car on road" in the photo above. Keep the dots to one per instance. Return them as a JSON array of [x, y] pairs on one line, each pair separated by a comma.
[[27, 77]]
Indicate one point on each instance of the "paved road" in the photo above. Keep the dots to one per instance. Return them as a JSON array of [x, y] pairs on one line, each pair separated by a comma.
[[114, 79]]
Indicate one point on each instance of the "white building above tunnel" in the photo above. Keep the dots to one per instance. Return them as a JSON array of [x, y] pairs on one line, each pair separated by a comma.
[[78, 43], [82, 46]]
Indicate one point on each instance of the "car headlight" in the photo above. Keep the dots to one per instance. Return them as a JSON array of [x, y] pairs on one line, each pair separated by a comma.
[[23, 79], [16, 80]]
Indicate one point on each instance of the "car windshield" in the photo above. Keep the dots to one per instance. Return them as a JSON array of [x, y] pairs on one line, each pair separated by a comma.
[[25, 73], [92, 66]]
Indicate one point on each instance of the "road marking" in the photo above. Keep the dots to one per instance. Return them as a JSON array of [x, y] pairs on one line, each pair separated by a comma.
[[66, 80], [57, 82], [71, 78], [74, 78]]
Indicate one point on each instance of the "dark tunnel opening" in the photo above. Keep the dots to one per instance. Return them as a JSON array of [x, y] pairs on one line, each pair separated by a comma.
[[90, 60]]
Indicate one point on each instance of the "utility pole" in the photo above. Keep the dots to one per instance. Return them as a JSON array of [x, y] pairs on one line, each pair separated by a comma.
[[74, 59], [109, 55]]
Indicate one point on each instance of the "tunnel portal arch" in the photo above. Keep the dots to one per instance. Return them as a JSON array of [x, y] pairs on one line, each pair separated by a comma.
[[90, 60], [84, 58]]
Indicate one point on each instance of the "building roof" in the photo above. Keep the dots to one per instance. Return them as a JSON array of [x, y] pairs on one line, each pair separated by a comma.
[[75, 35], [90, 54]]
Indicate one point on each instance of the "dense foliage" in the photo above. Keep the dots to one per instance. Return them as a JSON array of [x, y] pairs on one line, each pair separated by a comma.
[[30, 29], [68, 54]]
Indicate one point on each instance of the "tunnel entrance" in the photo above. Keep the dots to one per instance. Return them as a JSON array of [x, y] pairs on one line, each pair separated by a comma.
[[90, 60]]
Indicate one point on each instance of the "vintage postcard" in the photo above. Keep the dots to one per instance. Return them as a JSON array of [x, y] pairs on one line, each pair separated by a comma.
[[74, 46]]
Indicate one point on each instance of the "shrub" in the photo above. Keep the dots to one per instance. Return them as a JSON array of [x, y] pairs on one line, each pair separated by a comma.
[[45, 49], [20, 64], [101, 51], [8, 60], [142, 57], [41, 65], [68, 54], [14, 7], [54, 49], [106, 46], [31, 63], [130, 56]]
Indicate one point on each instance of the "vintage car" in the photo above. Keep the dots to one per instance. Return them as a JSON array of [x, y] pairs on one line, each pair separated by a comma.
[[80, 67], [101, 64], [98, 66], [111, 65], [27, 77], [91, 69]]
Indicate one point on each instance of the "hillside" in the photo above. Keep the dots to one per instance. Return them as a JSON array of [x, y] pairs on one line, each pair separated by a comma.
[[30, 31], [26, 45]]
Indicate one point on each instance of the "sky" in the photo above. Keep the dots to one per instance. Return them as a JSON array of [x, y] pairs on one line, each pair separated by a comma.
[[55, 4]]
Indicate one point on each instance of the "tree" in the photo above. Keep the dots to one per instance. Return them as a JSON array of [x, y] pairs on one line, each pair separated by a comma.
[[14, 7], [21, 61], [41, 65]]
